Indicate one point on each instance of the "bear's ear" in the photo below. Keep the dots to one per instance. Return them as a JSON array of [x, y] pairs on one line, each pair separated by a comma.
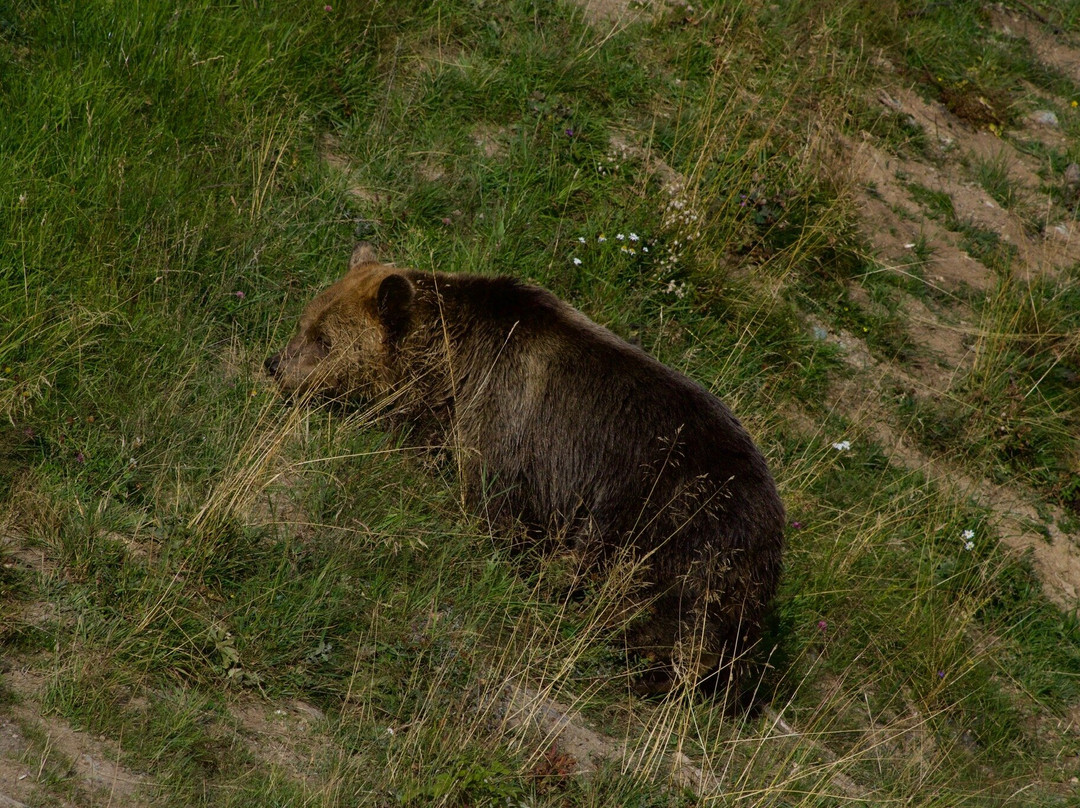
[[363, 253], [394, 302]]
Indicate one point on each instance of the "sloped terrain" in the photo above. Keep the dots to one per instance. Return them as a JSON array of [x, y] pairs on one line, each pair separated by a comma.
[[859, 226]]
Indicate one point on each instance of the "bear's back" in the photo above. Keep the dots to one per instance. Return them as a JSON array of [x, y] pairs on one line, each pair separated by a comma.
[[587, 421]]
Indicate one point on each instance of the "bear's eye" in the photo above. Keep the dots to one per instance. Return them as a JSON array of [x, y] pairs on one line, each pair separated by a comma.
[[322, 342]]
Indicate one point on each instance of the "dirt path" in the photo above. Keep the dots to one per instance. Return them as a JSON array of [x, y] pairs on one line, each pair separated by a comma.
[[46, 761]]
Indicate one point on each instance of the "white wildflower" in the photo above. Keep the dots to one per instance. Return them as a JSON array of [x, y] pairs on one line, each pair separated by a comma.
[[842, 446], [677, 289], [577, 261]]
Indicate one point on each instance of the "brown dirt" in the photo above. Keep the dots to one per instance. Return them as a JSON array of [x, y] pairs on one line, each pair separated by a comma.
[[490, 140], [893, 219], [67, 767], [550, 724], [548, 721], [843, 784], [613, 12], [624, 146], [44, 760], [288, 736], [1056, 50], [277, 504], [609, 15]]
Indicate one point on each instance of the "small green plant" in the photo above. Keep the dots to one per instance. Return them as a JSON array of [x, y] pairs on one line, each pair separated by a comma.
[[993, 175], [922, 250], [987, 246], [491, 783], [937, 203]]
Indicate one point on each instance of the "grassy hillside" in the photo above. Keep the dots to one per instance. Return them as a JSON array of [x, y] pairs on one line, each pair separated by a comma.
[[856, 223]]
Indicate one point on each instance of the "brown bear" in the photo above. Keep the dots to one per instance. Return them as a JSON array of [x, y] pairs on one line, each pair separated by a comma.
[[583, 437]]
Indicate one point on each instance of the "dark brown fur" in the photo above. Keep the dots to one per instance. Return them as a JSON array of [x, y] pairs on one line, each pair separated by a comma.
[[558, 422]]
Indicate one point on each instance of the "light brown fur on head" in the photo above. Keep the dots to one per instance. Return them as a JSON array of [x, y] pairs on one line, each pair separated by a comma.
[[343, 340]]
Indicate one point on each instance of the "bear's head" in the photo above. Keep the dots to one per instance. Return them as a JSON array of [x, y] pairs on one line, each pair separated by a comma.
[[347, 336]]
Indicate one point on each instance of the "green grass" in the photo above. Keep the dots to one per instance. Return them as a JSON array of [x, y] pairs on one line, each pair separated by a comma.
[[1016, 412], [993, 176], [937, 203], [180, 547]]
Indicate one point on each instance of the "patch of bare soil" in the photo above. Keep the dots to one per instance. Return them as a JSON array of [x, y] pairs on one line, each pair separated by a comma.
[[542, 718], [887, 180], [550, 724], [44, 760], [780, 730], [894, 223], [16, 785], [612, 14], [1053, 48], [624, 146], [946, 337], [287, 736], [952, 139], [277, 505], [490, 140]]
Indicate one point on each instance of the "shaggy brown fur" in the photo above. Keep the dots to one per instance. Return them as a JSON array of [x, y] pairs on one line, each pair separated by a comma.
[[579, 434]]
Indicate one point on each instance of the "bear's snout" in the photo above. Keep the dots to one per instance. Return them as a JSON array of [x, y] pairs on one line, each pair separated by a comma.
[[272, 364]]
